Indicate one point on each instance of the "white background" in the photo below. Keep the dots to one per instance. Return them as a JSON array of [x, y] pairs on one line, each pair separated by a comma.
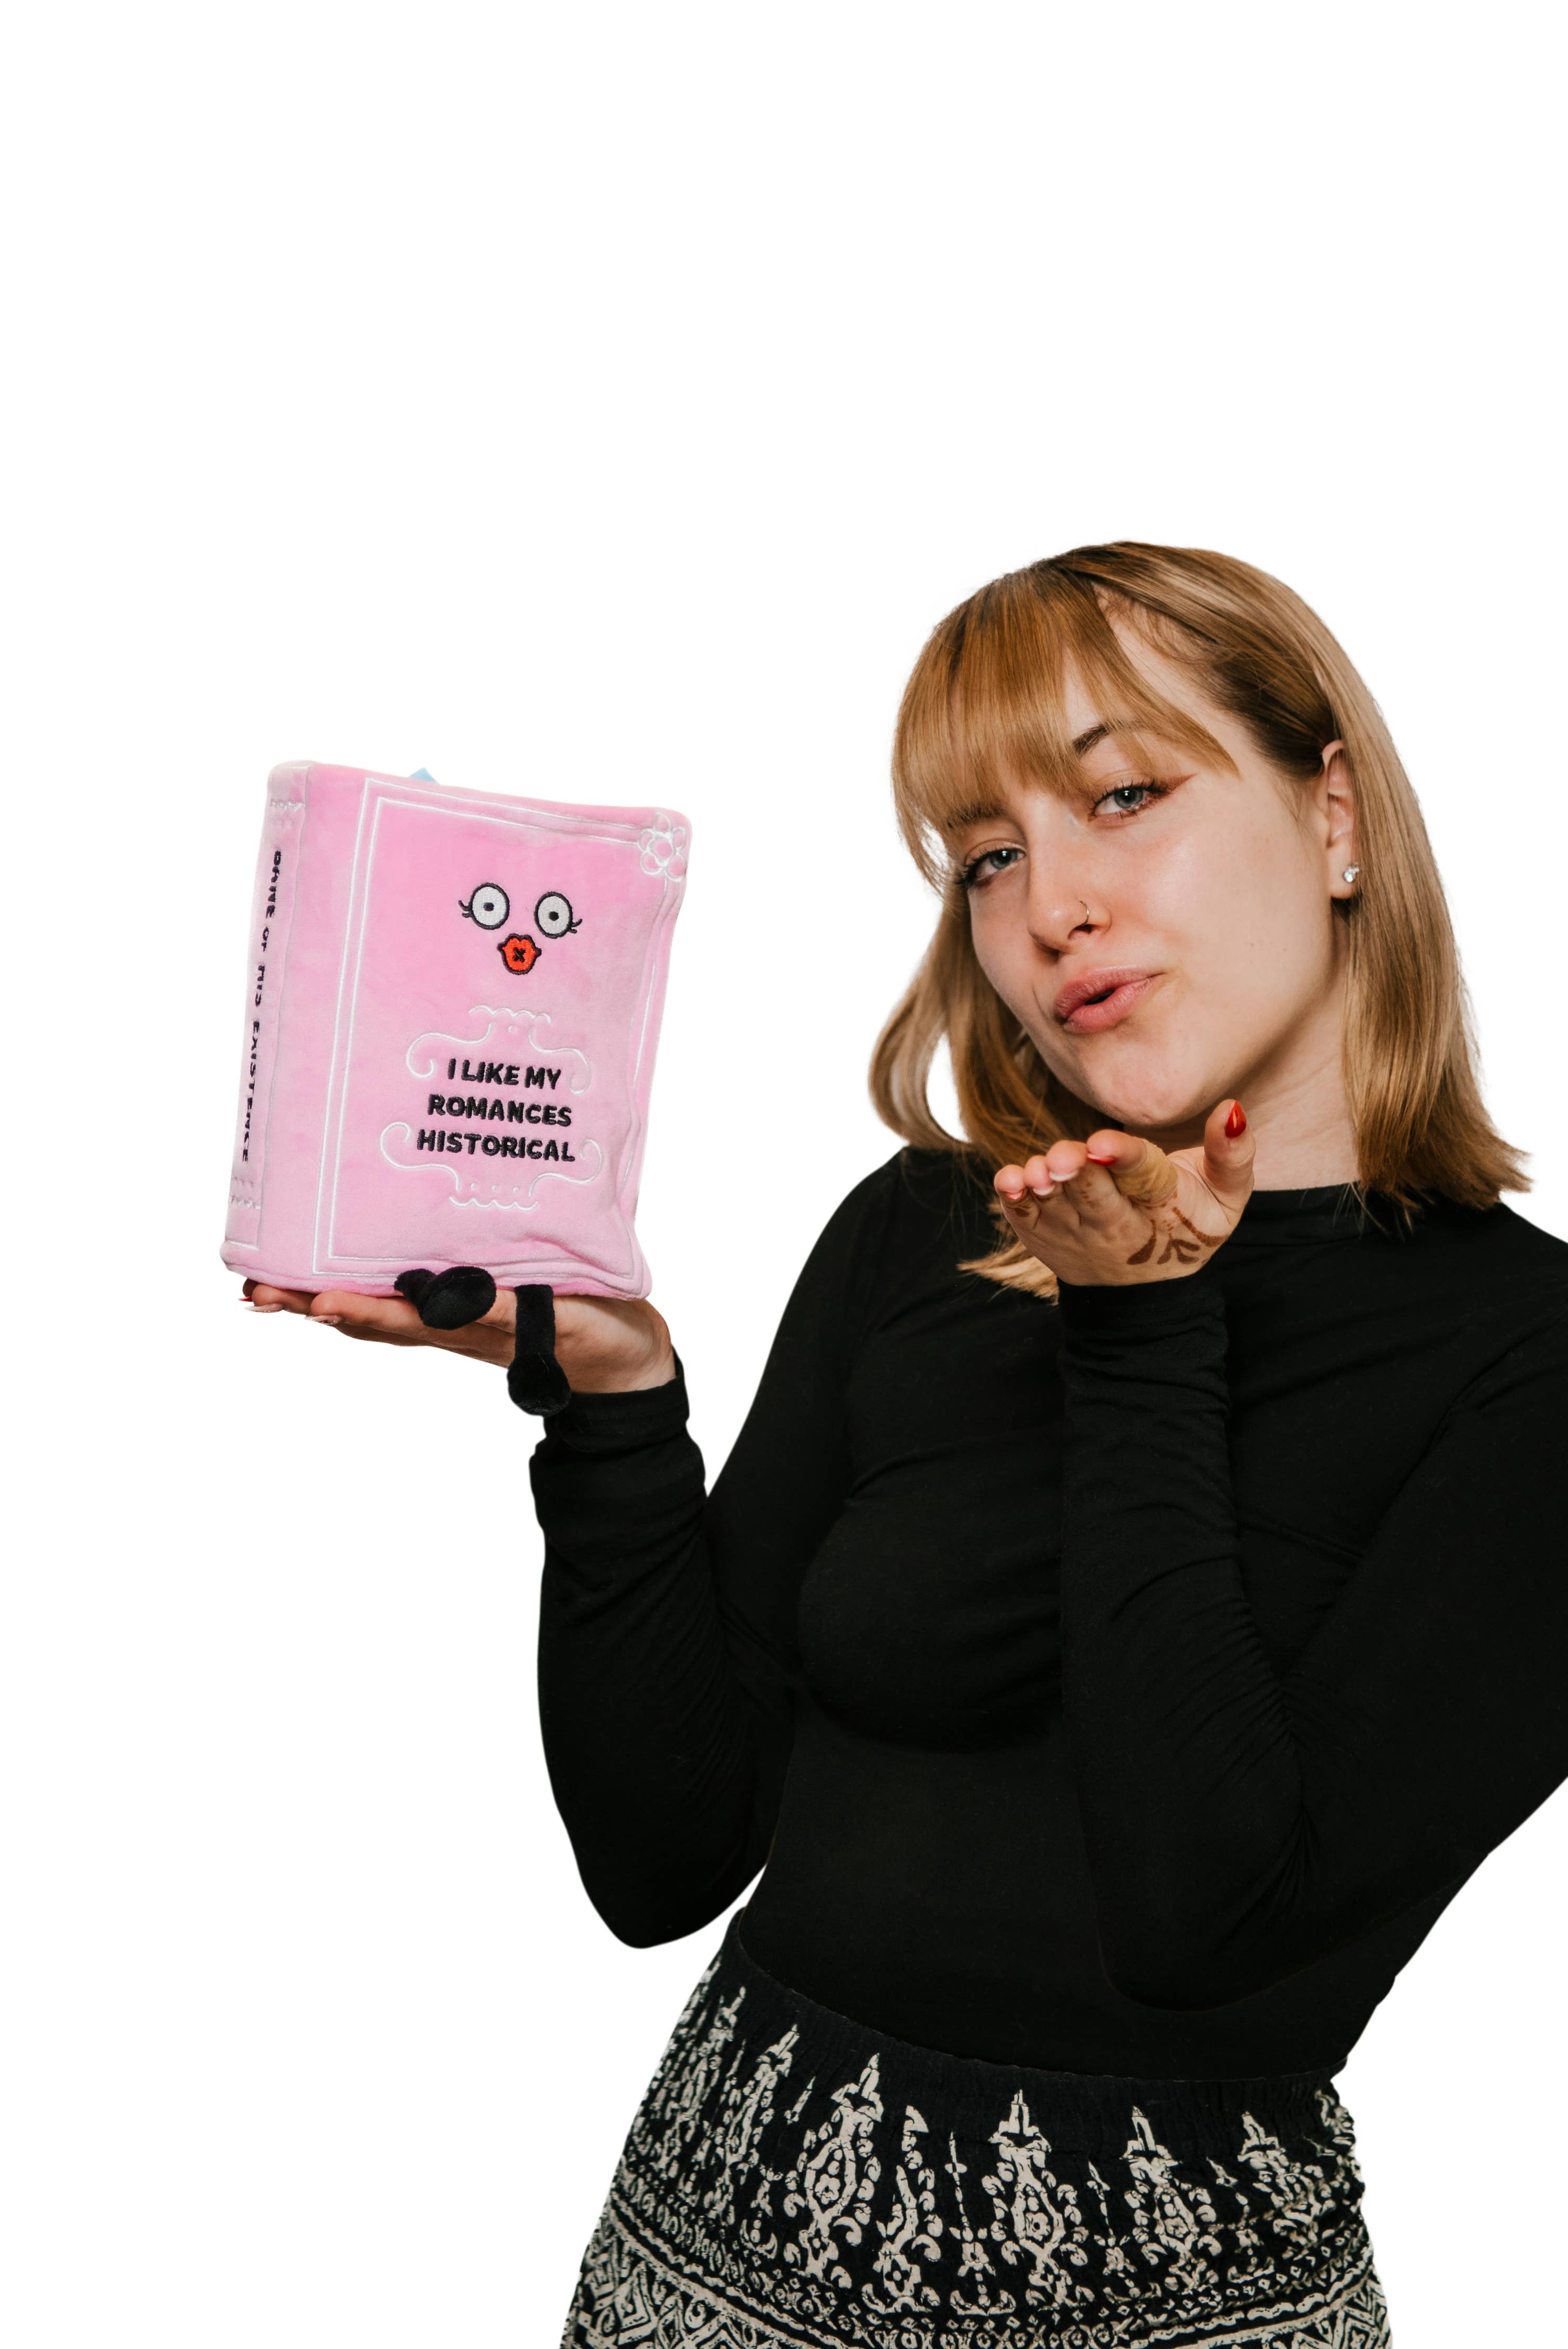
[[604, 403]]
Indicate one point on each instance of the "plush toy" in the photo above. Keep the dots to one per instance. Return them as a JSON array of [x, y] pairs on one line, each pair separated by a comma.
[[453, 1008]]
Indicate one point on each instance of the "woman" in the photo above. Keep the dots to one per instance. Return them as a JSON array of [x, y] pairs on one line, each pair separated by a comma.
[[1133, 1606]]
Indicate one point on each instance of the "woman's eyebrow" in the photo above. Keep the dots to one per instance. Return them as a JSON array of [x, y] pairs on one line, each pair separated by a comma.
[[1107, 731], [976, 812]]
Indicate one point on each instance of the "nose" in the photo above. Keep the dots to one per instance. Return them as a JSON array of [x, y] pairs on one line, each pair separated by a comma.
[[1060, 915]]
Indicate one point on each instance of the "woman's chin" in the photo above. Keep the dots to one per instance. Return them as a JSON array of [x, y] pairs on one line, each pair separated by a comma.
[[1147, 1101], [1135, 1080]]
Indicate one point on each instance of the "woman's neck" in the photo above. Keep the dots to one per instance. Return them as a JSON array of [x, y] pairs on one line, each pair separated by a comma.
[[1298, 1109]]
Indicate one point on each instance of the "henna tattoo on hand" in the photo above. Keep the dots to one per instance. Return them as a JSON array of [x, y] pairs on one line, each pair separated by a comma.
[[1184, 1251]]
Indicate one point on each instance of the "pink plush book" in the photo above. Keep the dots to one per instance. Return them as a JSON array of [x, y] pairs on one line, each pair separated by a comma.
[[452, 1007]]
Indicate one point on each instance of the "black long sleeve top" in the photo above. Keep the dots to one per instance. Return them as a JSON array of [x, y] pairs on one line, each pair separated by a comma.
[[1118, 1685]]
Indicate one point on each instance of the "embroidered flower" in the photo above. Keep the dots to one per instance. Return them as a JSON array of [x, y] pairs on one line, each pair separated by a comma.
[[663, 847]]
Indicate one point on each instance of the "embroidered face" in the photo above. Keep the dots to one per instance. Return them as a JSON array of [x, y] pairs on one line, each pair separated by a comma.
[[489, 906]]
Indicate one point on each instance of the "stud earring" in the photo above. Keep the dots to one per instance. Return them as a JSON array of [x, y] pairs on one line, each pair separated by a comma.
[[1350, 873]]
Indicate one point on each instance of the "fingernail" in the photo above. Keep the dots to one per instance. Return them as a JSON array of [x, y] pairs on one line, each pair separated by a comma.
[[1101, 1157], [1237, 1121], [265, 1309], [1041, 1190], [327, 1321]]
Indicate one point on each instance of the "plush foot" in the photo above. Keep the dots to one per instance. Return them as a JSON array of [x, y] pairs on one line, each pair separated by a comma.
[[448, 1300], [536, 1382]]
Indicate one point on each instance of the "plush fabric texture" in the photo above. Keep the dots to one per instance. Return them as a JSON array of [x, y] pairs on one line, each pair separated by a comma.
[[451, 1014]]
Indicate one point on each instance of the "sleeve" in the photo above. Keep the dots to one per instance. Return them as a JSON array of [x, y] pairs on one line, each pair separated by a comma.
[[1241, 1822], [667, 1656]]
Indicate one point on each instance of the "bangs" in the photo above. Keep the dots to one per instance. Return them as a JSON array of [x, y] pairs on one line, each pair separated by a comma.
[[985, 706]]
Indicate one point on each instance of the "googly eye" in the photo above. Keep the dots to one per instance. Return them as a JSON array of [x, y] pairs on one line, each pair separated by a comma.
[[489, 906], [553, 914]]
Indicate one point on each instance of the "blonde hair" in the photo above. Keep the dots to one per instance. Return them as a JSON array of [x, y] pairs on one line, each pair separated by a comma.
[[985, 704]]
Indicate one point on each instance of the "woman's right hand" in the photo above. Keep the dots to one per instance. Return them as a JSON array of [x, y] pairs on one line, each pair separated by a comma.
[[604, 1345]]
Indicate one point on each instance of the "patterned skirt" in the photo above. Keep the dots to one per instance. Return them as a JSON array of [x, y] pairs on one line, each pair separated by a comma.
[[793, 2181]]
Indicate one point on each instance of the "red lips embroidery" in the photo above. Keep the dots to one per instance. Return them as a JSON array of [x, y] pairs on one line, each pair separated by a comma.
[[519, 953]]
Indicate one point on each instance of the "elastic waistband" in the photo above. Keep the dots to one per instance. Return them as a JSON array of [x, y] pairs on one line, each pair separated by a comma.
[[1087, 2112]]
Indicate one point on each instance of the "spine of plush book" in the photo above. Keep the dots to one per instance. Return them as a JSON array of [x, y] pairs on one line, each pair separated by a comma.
[[273, 913]]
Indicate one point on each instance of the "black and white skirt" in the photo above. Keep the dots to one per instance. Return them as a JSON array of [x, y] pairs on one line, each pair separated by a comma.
[[795, 2182]]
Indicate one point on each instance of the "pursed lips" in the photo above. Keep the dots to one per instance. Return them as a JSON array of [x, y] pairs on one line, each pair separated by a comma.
[[1100, 998]]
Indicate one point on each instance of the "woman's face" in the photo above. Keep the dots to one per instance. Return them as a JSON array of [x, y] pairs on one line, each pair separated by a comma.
[[1166, 935]]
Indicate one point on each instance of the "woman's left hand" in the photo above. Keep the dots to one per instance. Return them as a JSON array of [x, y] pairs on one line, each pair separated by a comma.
[[1115, 1209]]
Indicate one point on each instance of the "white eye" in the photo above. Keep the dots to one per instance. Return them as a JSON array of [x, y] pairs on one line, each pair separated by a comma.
[[553, 914], [489, 906]]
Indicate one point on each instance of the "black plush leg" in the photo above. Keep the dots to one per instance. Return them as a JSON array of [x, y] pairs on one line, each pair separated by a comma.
[[448, 1300], [536, 1382]]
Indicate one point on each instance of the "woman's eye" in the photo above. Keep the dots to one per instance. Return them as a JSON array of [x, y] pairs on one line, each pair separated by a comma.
[[489, 906], [989, 861], [1128, 799]]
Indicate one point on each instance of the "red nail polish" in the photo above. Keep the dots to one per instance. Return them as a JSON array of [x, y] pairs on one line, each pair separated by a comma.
[[1237, 1121], [1101, 1157]]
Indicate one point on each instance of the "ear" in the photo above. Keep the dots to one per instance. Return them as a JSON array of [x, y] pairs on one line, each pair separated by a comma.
[[1332, 793]]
